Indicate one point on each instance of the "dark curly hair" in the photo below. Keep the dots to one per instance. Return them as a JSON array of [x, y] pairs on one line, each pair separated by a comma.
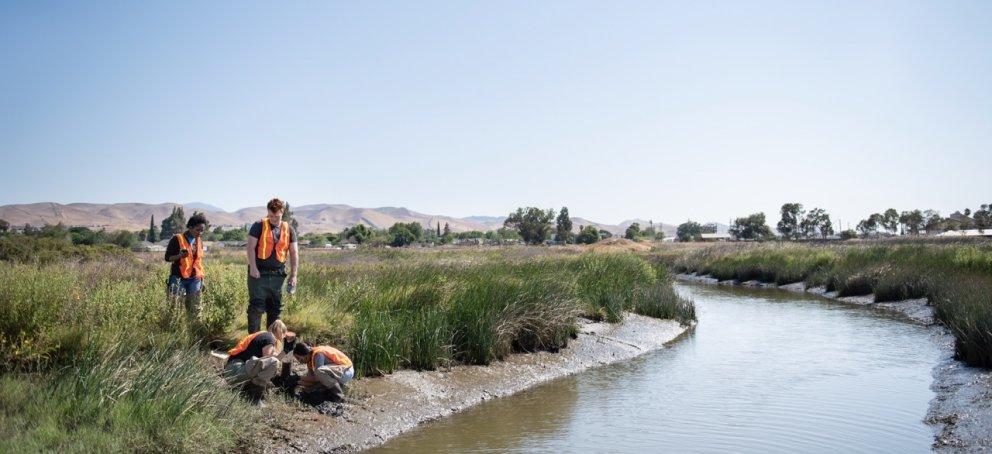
[[195, 220]]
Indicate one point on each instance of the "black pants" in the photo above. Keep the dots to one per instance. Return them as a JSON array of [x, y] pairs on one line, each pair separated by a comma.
[[264, 297]]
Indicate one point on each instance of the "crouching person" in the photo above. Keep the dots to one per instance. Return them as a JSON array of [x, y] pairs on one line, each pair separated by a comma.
[[328, 370], [286, 357], [253, 362]]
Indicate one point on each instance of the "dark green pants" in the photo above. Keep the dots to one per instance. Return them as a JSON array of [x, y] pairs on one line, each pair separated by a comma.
[[264, 297]]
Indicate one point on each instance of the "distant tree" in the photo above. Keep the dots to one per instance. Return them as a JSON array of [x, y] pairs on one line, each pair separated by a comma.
[[358, 234], [816, 222], [868, 227], [152, 235], [689, 231], [826, 226], [417, 229], [709, 227], [4, 226], [983, 218], [471, 234], [563, 227], [848, 234], [234, 235], [751, 227], [587, 235], [287, 215], [508, 234], [175, 223], [533, 224], [80, 235], [648, 232], [439, 229], [932, 222], [890, 220], [447, 237], [401, 235], [967, 211], [123, 238], [789, 226], [633, 231], [913, 220], [604, 234]]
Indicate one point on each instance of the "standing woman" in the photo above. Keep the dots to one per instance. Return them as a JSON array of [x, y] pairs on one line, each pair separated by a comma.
[[185, 251]]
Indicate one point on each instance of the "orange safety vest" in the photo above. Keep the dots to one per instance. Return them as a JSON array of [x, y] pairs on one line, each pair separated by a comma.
[[192, 264], [243, 345], [330, 353], [267, 241]]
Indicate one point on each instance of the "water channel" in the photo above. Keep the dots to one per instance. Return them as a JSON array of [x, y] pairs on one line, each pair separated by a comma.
[[764, 371]]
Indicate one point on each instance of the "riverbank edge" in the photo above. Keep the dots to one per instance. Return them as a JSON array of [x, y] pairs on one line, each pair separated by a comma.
[[961, 410], [380, 408]]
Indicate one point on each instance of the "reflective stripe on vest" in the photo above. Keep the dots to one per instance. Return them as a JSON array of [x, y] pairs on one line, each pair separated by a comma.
[[192, 264], [332, 354], [243, 345], [267, 242]]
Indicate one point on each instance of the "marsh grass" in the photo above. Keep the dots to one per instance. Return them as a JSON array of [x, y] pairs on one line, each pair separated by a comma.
[[121, 397], [96, 358]]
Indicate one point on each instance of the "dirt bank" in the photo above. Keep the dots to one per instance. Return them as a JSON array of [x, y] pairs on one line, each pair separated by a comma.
[[961, 411], [378, 409]]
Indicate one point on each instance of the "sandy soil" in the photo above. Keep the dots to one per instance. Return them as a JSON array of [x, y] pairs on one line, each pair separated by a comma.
[[380, 408]]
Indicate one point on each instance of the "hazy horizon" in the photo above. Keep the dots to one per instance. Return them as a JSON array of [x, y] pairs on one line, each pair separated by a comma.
[[651, 110]]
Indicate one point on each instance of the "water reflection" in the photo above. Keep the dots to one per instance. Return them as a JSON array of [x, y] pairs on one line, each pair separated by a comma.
[[765, 371], [542, 412]]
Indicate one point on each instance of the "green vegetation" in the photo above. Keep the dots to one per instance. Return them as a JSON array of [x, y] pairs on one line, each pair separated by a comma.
[[563, 227], [916, 222], [533, 224], [689, 231], [95, 360], [52, 248], [421, 310], [955, 277], [751, 227], [175, 223], [633, 231], [93, 357], [587, 235]]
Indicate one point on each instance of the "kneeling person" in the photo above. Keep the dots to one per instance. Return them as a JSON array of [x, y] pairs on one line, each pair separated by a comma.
[[328, 369], [253, 362]]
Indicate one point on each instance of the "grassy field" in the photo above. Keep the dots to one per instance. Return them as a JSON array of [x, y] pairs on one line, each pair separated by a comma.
[[955, 276], [93, 357]]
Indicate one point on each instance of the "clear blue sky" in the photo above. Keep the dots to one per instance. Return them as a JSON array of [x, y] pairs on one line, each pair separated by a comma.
[[662, 110]]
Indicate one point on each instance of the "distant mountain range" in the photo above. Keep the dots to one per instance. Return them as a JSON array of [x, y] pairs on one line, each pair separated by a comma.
[[312, 218]]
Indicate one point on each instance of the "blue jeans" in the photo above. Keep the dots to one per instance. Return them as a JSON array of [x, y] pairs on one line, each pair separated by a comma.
[[177, 285]]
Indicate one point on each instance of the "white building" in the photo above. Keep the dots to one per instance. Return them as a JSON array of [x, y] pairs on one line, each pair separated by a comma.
[[964, 233]]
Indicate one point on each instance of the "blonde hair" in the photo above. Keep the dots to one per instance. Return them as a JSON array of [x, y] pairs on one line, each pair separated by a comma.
[[278, 330]]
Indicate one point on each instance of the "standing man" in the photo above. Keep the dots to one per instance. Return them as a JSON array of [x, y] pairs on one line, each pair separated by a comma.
[[270, 242], [185, 251]]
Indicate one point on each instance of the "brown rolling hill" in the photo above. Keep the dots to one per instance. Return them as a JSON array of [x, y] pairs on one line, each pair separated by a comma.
[[312, 218]]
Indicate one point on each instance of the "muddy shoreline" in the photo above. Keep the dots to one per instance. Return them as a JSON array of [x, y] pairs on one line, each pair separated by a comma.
[[961, 411], [381, 408]]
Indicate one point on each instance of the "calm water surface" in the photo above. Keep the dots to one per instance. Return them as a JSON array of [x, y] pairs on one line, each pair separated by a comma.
[[764, 371]]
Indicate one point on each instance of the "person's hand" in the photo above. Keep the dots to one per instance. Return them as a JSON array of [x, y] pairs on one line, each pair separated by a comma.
[[292, 280], [254, 273]]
